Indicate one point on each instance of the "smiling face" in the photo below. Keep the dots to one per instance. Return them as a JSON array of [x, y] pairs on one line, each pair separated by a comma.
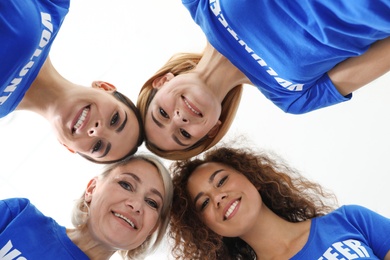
[[93, 122], [182, 112], [125, 206], [227, 202]]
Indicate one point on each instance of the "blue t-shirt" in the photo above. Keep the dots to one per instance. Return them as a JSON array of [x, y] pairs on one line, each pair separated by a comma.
[[286, 48], [25, 233], [349, 232], [27, 31]]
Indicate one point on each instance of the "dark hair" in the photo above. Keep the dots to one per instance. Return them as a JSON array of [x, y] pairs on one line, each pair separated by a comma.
[[282, 189], [125, 100]]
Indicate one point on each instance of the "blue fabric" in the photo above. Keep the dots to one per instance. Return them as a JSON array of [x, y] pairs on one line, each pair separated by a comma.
[[25, 233], [27, 31], [286, 48], [349, 232]]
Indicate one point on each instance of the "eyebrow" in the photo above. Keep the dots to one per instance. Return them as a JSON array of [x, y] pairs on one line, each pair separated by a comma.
[[211, 179], [118, 130], [156, 121], [174, 137], [137, 179], [108, 148]]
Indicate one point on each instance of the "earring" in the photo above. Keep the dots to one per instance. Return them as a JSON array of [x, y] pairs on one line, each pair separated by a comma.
[[70, 150]]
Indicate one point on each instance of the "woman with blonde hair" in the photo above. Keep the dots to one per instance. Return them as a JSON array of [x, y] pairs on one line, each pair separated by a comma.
[[182, 64], [126, 209], [302, 57]]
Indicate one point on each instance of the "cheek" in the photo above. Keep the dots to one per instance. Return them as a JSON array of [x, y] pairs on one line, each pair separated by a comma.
[[151, 220], [162, 97], [208, 218]]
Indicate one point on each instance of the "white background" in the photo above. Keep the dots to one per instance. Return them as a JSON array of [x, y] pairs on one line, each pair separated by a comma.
[[345, 147]]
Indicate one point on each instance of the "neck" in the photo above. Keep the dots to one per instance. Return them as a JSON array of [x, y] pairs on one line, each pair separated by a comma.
[[275, 238], [93, 249], [45, 90], [218, 72]]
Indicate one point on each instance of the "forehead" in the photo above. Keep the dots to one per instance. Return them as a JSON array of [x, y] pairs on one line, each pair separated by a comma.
[[145, 171], [203, 172]]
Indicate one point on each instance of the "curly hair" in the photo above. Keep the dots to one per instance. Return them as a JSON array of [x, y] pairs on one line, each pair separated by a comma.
[[181, 63], [282, 189]]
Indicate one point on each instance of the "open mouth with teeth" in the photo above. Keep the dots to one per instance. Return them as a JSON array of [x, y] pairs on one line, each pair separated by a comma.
[[81, 119], [128, 221], [196, 112], [231, 209]]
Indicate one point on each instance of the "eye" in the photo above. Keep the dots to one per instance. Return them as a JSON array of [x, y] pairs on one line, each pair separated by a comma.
[[97, 146], [204, 204], [152, 203], [163, 113], [185, 133], [222, 181], [114, 119], [126, 185]]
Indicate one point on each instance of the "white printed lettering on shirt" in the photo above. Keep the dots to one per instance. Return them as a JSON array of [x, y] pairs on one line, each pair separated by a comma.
[[216, 9], [45, 39], [347, 249], [7, 253]]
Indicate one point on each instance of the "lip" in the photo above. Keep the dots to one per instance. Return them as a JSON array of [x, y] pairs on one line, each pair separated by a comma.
[[124, 222], [227, 207], [76, 118], [191, 107]]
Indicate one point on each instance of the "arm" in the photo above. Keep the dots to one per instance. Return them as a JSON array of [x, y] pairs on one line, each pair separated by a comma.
[[356, 72], [387, 257]]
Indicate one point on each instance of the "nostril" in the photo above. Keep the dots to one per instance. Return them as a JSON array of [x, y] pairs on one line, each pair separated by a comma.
[[96, 124]]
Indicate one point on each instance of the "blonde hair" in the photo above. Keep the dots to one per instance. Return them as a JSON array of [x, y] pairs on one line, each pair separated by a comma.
[[179, 64], [81, 207]]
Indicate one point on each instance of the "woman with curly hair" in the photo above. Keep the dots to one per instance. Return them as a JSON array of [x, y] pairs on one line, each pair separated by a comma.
[[239, 204]]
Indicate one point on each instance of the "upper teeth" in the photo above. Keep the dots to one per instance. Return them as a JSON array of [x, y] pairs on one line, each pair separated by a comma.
[[190, 107], [81, 118], [125, 219], [231, 208]]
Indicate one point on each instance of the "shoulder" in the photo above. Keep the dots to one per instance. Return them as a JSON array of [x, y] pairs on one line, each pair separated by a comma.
[[14, 204], [11, 209], [354, 209], [360, 214]]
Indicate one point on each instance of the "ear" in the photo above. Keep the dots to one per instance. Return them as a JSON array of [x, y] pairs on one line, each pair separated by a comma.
[[214, 131], [90, 189], [160, 81], [103, 85]]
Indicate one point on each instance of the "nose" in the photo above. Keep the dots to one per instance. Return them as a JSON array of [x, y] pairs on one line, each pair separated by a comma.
[[94, 129], [179, 117], [219, 198], [135, 205]]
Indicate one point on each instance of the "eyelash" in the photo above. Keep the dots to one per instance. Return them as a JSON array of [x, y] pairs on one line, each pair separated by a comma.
[[114, 120], [163, 113], [127, 186], [219, 184], [97, 146], [183, 132]]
